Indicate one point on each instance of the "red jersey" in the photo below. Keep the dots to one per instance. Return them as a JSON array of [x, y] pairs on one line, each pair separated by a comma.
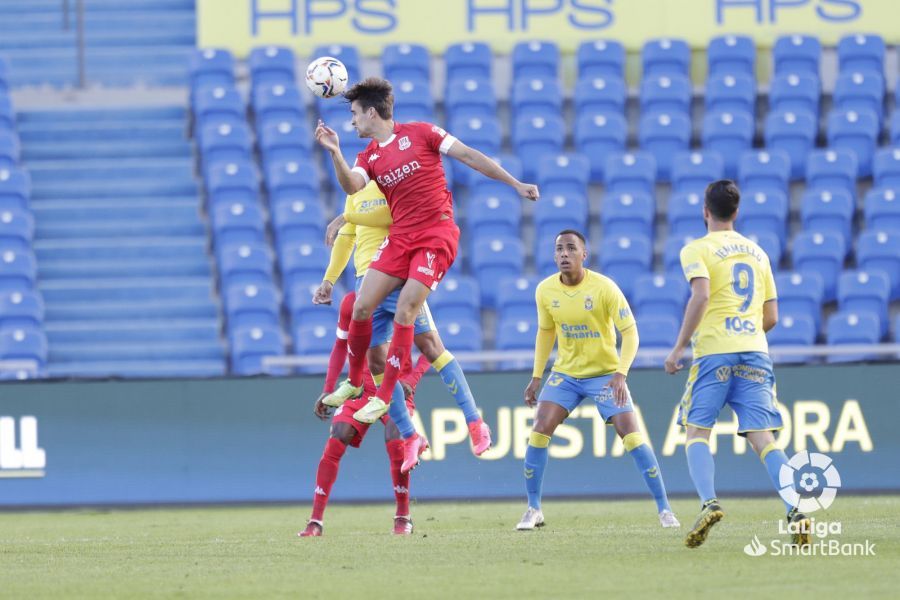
[[408, 170]]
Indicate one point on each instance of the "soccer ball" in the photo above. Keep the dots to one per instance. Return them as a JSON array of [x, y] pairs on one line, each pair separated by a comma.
[[326, 77]]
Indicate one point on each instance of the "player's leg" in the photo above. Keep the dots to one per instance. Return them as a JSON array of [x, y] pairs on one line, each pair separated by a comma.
[[342, 435], [394, 443]]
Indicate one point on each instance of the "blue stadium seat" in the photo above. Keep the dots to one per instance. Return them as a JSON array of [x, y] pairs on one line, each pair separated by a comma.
[[557, 212], [229, 183], [865, 291], [218, 105], [632, 172], [463, 335], [294, 220], [491, 215], [536, 137], [515, 298], [693, 171], [663, 295], [894, 128], [795, 93], [24, 343], [565, 174], [798, 54], [10, 152], [624, 259], [729, 134], [666, 57], [657, 332], [731, 93], [284, 140], [252, 306], [793, 133], [250, 345], [664, 135], [886, 168], [672, 254], [880, 251], [600, 95], [852, 328], [685, 214], [312, 339], [7, 114], [600, 58], [882, 209], [483, 135], [457, 298], [822, 253], [278, 103], [861, 53], [346, 53], [271, 65], [731, 54], [225, 143], [792, 330], [516, 334], [406, 61], [860, 92], [544, 260], [535, 60], [536, 98], [245, 264], [771, 243], [471, 99], [4, 75], [22, 309], [468, 60], [599, 135], [211, 67], [826, 210], [18, 270], [301, 259], [666, 93], [479, 184], [801, 294], [765, 170], [857, 132], [831, 169], [237, 223], [413, 101], [304, 314], [628, 214], [494, 259], [291, 181], [763, 210], [16, 228]]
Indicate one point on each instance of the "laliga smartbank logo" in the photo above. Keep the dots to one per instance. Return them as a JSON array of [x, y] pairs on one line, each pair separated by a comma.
[[809, 481]]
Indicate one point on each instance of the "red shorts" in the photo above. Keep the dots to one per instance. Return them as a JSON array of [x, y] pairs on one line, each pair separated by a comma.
[[421, 255], [344, 414]]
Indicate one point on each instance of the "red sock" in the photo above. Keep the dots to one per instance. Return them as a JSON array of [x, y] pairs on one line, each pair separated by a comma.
[[398, 353], [401, 480], [369, 387], [357, 345], [325, 476]]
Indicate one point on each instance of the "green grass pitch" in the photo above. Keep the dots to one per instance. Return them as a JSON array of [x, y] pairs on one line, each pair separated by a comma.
[[589, 549]]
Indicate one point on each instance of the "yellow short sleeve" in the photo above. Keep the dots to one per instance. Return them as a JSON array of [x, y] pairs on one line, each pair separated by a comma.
[[692, 263]]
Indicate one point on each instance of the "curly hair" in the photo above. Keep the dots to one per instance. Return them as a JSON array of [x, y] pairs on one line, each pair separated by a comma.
[[373, 92]]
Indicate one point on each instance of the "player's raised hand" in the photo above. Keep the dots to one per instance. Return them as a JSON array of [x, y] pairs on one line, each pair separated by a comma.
[[320, 410], [529, 191], [531, 391], [327, 137], [673, 361], [619, 389], [322, 295]]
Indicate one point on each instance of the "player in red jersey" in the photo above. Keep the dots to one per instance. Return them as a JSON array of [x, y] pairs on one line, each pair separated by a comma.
[[404, 159], [347, 431]]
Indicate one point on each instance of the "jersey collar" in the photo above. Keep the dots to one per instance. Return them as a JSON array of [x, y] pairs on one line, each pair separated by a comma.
[[390, 139]]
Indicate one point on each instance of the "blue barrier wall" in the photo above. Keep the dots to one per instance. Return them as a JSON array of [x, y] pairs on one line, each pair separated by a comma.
[[75, 443]]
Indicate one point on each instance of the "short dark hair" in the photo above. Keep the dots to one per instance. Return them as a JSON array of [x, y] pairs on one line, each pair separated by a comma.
[[722, 199], [373, 92], [577, 234]]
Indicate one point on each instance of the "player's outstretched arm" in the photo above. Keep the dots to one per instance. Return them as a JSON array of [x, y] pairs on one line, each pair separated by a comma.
[[693, 314], [328, 138], [484, 165]]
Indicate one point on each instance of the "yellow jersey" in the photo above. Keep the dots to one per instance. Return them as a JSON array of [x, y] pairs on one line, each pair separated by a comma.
[[740, 282], [585, 317], [368, 219]]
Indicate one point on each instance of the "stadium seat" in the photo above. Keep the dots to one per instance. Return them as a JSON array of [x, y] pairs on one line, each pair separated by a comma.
[[480, 184], [252, 306], [16, 229], [793, 133], [277, 103], [468, 60], [225, 143], [516, 334], [271, 65], [729, 134], [599, 135], [4, 76], [666, 57], [624, 259], [792, 330], [304, 313], [600, 95], [211, 67], [852, 328], [535, 60], [600, 58], [406, 61], [882, 209], [860, 92], [565, 174], [10, 152], [765, 170], [544, 260], [664, 135], [731, 92], [826, 210], [291, 181], [865, 291], [763, 211], [557, 212], [822, 253], [471, 99], [237, 223], [413, 101], [284, 140], [880, 251], [632, 172], [536, 137], [300, 259], [672, 254], [218, 105], [24, 343], [22, 309], [491, 215], [662, 295], [536, 98], [666, 94], [250, 345], [886, 168], [483, 135], [230, 183], [861, 54], [312, 339], [657, 332], [494, 259], [685, 214], [18, 270], [463, 335], [294, 220], [801, 294], [832, 169], [515, 298], [628, 214], [771, 243], [795, 93], [693, 171], [798, 54], [857, 132], [346, 53], [7, 114], [730, 55], [245, 264], [457, 298]]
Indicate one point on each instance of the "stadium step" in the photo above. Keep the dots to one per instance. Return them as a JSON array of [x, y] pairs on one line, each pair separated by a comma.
[[65, 131], [95, 115], [137, 209], [145, 351], [95, 269], [132, 331], [41, 189], [118, 229], [103, 149], [112, 39], [22, 7], [56, 310], [125, 169], [103, 21], [138, 368], [126, 289], [114, 249]]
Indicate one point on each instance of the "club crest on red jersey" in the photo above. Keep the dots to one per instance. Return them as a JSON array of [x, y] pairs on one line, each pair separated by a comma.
[[404, 142]]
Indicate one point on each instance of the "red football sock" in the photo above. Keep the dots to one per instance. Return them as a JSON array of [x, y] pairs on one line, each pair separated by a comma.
[[398, 353], [339, 352], [358, 344], [413, 377], [369, 387], [325, 476], [401, 480]]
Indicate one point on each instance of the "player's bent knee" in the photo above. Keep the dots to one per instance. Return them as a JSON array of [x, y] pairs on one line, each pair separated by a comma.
[[343, 433], [538, 440], [632, 440]]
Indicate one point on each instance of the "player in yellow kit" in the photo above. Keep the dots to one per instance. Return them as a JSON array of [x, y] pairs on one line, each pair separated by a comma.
[[582, 310], [733, 303]]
